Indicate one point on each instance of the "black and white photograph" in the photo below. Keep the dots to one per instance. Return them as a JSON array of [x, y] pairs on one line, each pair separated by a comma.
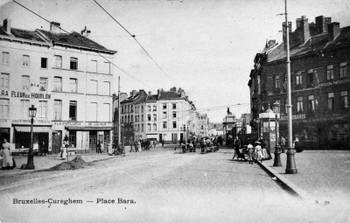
[[174, 111]]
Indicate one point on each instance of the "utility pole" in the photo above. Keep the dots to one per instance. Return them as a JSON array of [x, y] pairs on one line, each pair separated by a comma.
[[291, 166], [119, 133]]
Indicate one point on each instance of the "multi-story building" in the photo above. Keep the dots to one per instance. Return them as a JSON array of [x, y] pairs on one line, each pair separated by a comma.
[[320, 78], [65, 78], [203, 125], [166, 116]]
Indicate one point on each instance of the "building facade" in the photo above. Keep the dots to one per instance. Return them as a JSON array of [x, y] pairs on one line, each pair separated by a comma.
[[65, 78], [320, 79]]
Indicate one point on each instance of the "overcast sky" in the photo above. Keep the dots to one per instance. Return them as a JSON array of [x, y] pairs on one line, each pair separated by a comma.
[[206, 46]]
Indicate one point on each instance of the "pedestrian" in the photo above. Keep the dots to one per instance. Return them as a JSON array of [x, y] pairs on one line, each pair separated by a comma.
[[236, 146], [283, 144], [258, 151], [98, 147], [162, 142], [250, 149], [154, 144], [7, 160]]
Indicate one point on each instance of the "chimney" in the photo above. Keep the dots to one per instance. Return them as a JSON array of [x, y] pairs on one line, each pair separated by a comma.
[[6, 25], [85, 32], [55, 27], [305, 29], [333, 30], [149, 93], [322, 23], [284, 30]]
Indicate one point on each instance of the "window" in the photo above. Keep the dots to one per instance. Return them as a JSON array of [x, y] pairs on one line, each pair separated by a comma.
[[164, 125], [174, 105], [106, 113], [4, 81], [142, 118], [73, 110], [344, 99], [154, 127], [57, 110], [164, 115], [43, 84], [107, 67], [5, 58], [343, 70], [174, 114], [72, 138], [73, 85], [58, 61], [330, 101], [73, 63], [298, 79], [57, 84], [154, 107], [42, 109], [149, 108], [330, 73], [164, 105], [131, 118], [93, 111], [43, 62], [26, 61], [93, 66], [149, 127], [174, 124], [25, 82], [149, 118], [310, 78], [154, 117], [4, 108], [142, 109], [300, 108], [142, 127], [93, 87], [311, 103], [106, 88], [277, 82], [25, 108]]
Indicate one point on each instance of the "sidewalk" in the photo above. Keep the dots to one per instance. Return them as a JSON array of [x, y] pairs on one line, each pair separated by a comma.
[[323, 175], [46, 162]]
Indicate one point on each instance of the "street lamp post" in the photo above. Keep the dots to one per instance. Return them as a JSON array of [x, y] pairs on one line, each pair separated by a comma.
[[30, 162], [277, 160], [291, 166]]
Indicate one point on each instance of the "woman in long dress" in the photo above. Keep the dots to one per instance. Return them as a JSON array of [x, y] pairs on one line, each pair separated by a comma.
[[7, 160]]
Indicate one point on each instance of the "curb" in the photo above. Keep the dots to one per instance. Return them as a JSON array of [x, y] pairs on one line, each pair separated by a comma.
[[284, 182]]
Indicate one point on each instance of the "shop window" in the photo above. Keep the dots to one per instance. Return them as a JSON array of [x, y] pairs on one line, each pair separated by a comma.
[[73, 110], [73, 63], [5, 81], [43, 62], [58, 61]]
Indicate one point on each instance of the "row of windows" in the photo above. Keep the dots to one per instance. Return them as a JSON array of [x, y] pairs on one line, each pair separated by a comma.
[[42, 110], [57, 84], [73, 63], [129, 108], [311, 76], [140, 127], [312, 102]]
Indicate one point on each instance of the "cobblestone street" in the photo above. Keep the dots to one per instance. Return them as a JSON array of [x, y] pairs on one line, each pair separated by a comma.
[[165, 186]]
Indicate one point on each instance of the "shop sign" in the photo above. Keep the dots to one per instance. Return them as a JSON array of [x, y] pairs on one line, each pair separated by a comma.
[[4, 92], [68, 123], [19, 94], [98, 124], [27, 121], [294, 117]]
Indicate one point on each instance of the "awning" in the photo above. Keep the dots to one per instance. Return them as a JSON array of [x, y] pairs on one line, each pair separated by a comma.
[[90, 128], [35, 129]]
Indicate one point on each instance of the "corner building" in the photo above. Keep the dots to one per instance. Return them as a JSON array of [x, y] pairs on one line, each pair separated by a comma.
[[66, 76]]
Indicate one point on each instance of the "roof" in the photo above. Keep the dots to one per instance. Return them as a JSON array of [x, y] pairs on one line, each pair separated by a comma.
[[74, 39], [169, 95], [152, 98], [71, 40], [315, 44]]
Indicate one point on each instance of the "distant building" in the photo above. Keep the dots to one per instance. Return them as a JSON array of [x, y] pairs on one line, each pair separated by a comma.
[[65, 78], [320, 69]]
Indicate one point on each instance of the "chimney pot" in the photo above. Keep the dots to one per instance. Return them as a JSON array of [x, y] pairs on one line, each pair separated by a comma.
[[55, 27], [333, 30]]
